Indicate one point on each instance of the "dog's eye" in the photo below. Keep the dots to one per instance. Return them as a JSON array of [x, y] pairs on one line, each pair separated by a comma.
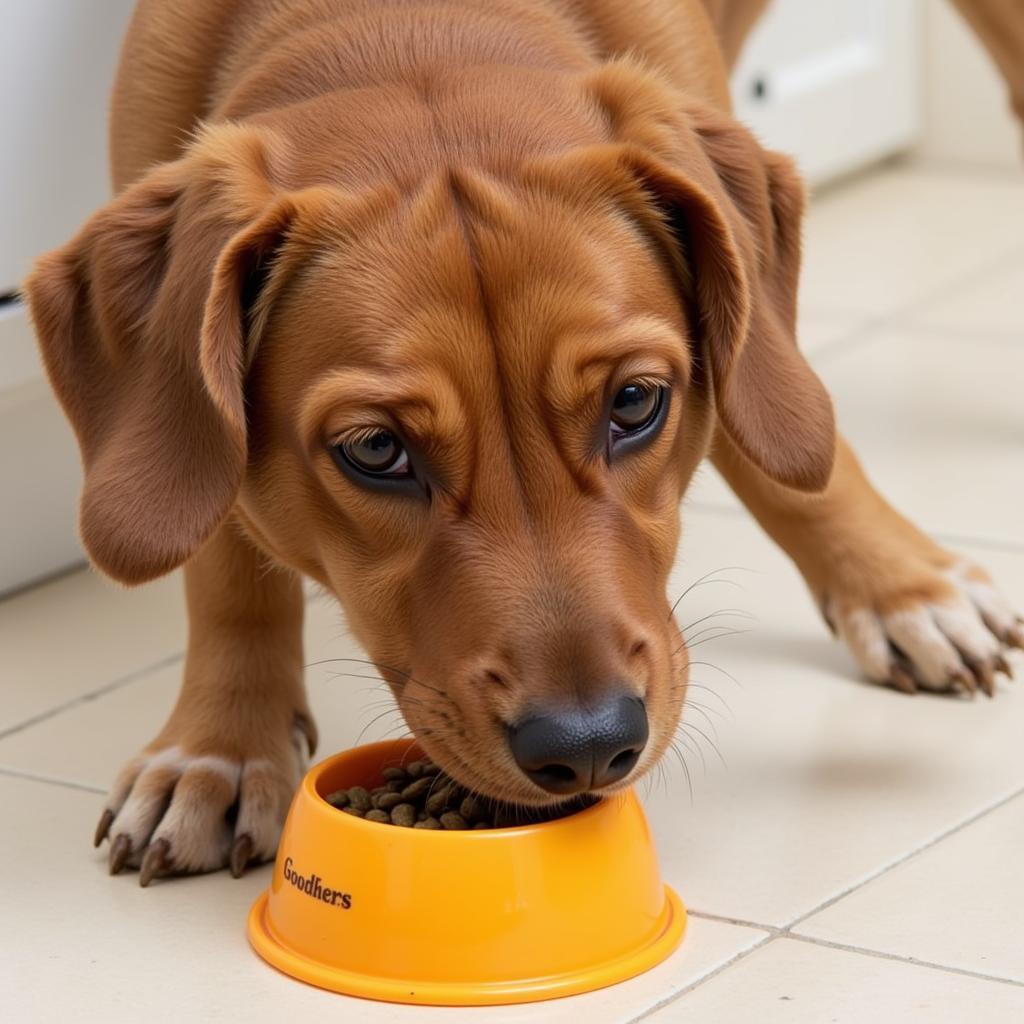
[[375, 452], [634, 407]]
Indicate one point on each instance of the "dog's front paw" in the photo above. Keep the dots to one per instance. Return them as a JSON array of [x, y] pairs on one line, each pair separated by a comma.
[[174, 810], [938, 624]]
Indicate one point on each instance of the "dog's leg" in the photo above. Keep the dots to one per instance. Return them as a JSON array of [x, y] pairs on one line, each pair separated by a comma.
[[913, 614], [733, 21], [212, 789], [999, 24]]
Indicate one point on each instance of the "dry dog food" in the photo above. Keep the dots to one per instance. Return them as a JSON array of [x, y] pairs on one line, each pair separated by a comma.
[[420, 795]]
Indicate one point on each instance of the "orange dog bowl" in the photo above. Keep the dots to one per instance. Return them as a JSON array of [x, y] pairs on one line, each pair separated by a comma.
[[461, 918]]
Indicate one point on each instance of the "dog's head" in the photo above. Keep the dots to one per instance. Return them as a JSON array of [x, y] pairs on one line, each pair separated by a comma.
[[470, 409]]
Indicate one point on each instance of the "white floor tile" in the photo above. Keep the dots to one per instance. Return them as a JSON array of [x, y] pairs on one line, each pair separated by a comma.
[[990, 305], [938, 423], [88, 947], [66, 746], [789, 982], [78, 633], [957, 904], [828, 779], [882, 243]]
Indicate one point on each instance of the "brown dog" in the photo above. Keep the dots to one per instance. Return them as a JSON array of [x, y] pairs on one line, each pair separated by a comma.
[[441, 304]]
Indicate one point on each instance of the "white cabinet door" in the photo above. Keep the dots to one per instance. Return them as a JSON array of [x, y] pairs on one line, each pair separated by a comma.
[[833, 82]]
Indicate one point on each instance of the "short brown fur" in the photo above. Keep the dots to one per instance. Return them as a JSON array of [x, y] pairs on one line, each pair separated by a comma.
[[470, 222]]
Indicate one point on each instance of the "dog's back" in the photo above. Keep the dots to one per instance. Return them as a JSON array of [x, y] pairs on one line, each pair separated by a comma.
[[184, 62]]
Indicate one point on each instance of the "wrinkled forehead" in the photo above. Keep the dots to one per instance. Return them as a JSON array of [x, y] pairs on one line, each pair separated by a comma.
[[497, 282]]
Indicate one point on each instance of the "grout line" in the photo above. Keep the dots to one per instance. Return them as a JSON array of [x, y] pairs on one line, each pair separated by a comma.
[[894, 318], [847, 341], [1005, 336], [84, 698], [909, 855], [738, 921], [880, 955], [1002, 545], [20, 773], [674, 996], [121, 681], [41, 581], [786, 931], [958, 171]]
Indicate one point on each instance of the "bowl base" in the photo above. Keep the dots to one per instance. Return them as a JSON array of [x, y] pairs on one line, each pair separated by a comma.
[[663, 942]]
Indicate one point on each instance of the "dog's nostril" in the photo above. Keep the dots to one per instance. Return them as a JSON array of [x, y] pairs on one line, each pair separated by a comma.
[[624, 762], [557, 778]]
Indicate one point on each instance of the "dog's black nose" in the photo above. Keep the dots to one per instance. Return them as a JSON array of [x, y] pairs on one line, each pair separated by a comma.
[[572, 751]]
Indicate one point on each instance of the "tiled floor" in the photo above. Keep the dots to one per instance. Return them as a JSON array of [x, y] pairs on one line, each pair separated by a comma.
[[859, 857]]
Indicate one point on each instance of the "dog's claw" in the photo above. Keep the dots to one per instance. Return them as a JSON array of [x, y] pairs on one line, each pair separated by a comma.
[[1015, 637], [241, 851], [964, 678], [986, 676], [902, 680], [154, 861], [120, 851], [103, 827], [1002, 665]]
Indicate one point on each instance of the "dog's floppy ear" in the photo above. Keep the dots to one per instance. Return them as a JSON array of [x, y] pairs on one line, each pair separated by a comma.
[[141, 322], [733, 212]]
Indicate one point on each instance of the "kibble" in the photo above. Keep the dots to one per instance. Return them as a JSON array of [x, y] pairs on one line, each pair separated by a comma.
[[473, 810], [416, 789], [359, 798], [437, 802], [420, 795], [404, 815]]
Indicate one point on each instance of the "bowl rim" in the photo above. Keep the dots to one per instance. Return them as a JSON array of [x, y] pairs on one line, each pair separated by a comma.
[[309, 788], [663, 941]]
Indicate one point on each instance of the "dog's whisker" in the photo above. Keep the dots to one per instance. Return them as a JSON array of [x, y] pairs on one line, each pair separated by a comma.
[[379, 665], [700, 711], [737, 613], [702, 580], [691, 644], [711, 691], [715, 630], [691, 744], [369, 725], [711, 742], [686, 768], [724, 713], [717, 668]]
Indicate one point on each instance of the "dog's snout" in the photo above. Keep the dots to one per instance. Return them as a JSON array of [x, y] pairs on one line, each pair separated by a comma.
[[570, 751]]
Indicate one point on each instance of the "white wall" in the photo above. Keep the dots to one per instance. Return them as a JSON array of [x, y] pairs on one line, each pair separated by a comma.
[[57, 61], [967, 118]]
